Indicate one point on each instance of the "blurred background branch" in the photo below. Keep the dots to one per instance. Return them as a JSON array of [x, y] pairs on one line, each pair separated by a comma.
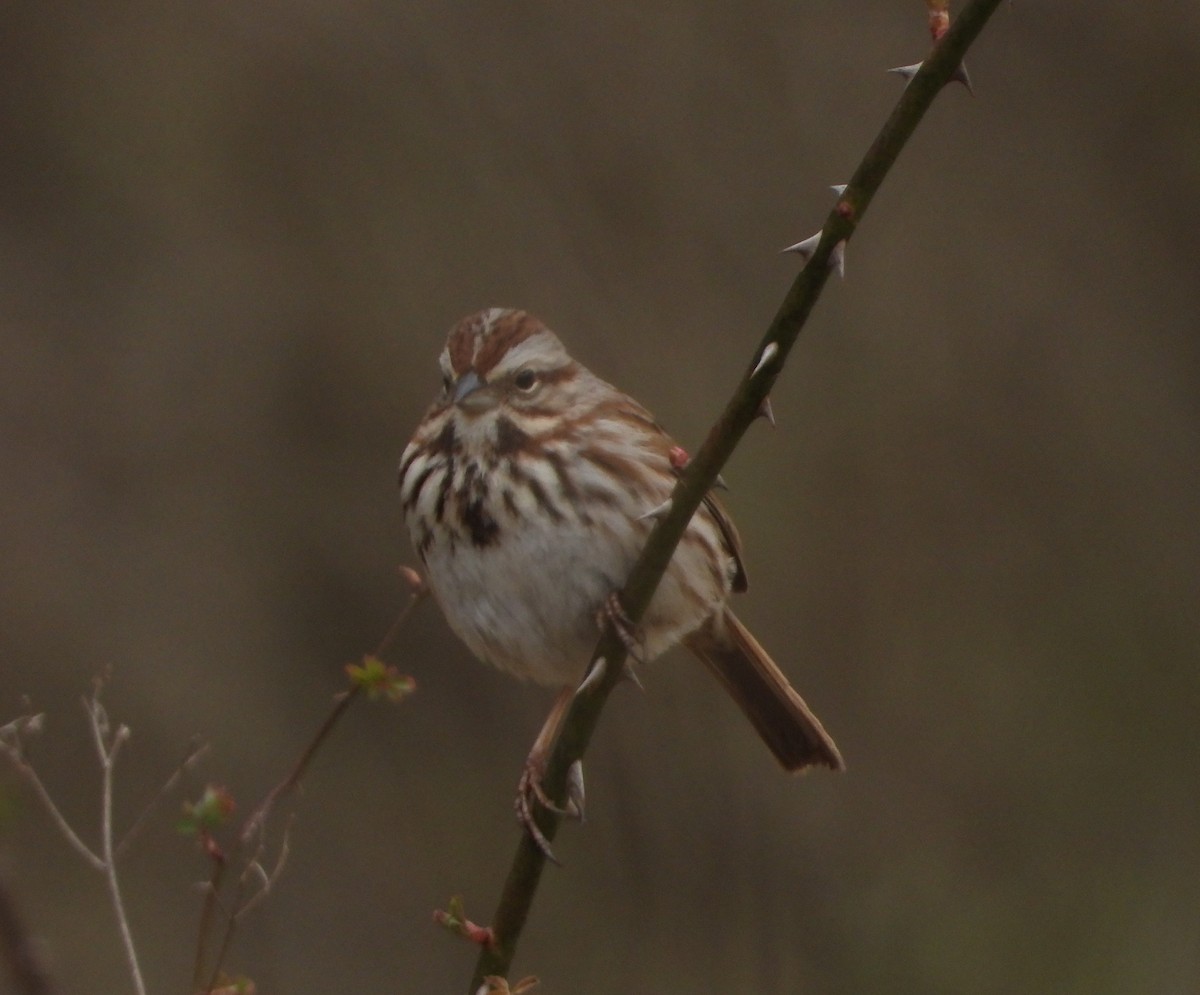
[[18, 952]]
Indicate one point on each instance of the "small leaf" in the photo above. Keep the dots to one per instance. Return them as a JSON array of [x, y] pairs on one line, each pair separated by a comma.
[[210, 812], [380, 680], [455, 919]]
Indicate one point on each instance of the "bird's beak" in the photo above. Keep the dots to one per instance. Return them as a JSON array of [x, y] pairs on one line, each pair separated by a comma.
[[472, 394]]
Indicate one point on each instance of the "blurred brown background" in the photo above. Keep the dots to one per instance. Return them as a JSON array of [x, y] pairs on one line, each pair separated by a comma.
[[232, 237]]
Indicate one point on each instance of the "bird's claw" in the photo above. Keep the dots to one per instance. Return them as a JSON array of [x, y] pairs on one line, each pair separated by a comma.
[[630, 635], [530, 793]]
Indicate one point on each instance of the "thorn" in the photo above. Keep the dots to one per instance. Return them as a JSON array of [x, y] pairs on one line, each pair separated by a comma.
[[719, 484], [806, 248], [575, 791], [657, 512], [764, 411], [767, 355], [631, 675], [962, 76], [594, 676], [908, 72], [837, 259], [839, 188]]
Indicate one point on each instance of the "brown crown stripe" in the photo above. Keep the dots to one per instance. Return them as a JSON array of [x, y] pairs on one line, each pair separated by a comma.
[[460, 344], [505, 331]]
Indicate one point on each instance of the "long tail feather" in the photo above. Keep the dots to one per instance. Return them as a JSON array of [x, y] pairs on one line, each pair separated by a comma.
[[777, 712]]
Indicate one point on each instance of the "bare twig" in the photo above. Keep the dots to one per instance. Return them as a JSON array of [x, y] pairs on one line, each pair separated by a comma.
[[12, 746], [252, 836], [108, 746], [701, 473], [266, 879], [257, 820], [208, 915], [194, 756], [107, 743]]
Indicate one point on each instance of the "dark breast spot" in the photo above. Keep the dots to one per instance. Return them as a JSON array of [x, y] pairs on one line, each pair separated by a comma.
[[480, 525]]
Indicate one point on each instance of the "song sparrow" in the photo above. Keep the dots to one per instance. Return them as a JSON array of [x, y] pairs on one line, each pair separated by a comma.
[[526, 489]]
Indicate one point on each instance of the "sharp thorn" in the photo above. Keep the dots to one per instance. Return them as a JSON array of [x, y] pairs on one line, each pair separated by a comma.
[[631, 676], [719, 484], [594, 675], [656, 512], [837, 259], [767, 355], [908, 72], [962, 76], [764, 411], [839, 188], [806, 248], [575, 792]]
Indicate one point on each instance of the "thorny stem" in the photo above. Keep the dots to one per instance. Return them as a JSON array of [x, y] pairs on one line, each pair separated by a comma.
[[701, 473]]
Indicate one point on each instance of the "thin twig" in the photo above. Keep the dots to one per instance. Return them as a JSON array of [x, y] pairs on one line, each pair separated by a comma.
[[107, 753], [257, 820], [208, 914], [267, 880], [190, 761], [253, 831], [10, 746], [702, 472]]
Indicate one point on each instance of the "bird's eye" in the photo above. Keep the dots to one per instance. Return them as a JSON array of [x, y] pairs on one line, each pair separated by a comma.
[[525, 380]]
